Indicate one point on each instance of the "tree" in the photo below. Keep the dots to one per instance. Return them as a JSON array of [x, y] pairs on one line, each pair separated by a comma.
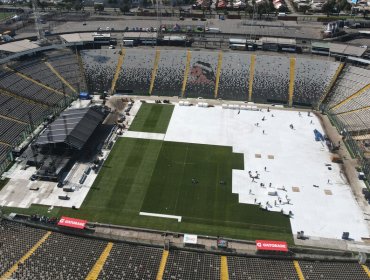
[[248, 10], [68, 6], [343, 5], [125, 8], [60, 6], [266, 8], [328, 7], [283, 9], [365, 13], [77, 6], [146, 3], [304, 9], [42, 5]]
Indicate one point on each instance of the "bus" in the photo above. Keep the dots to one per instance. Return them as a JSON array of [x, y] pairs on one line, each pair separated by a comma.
[[239, 47], [237, 44], [128, 43], [103, 38]]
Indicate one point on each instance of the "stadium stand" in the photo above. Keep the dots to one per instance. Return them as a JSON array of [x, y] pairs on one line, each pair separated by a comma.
[[100, 66], [202, 74], [355, 121], [38, 70], [20, 110], [15, 239], [312, 77], [354, 103], [69, 257], [30, 93], [332, 270], [27, 89], [271, 79], [61, 256], [4, 150], [127, 261], [53, 255], [136, 72], [191, 265], [10, 131], [66, 63], [234, 77], [170, 73], [241, 268], [351, 80]]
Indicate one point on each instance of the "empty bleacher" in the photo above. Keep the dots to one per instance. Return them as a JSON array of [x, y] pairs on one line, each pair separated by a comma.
[[27, 89], [61, 257], [66, 63], [15, 240], [312, 78], [190, 265], [332, 270], [170, 74], [271, 75], [202, 74], [234, 79], [351, 80], [357, 102], [21, 110], [100, 66], [10, 131], [241, 268], [271, 79], [131, 262], [136, 72], [356, 121], [39, 71], [4, 150]]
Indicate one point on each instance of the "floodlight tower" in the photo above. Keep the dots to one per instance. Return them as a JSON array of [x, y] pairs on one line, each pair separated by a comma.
[[40, 35]]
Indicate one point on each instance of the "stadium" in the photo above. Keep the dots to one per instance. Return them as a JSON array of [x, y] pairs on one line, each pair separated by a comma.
[[164, 163]]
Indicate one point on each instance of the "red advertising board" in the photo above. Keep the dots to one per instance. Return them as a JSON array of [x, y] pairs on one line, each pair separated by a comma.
[[72, 223], [270, 245]]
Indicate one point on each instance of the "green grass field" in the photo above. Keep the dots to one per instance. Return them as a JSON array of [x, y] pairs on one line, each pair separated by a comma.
[[142, 175], [4, 16], [155, 176], [152, 118], [171, 190]]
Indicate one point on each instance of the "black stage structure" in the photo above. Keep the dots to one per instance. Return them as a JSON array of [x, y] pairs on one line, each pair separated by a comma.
[[62, 141]]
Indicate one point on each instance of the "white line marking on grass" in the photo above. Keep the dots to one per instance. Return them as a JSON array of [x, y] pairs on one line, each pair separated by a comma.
[[144, 135], [178, 218], [183, 171]]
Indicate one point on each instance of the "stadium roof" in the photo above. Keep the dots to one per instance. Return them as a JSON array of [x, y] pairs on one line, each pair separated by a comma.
[[322, 45], [347, 49], [279, 41], [18, 46], [140, 35], [73, 127], [78, 37]]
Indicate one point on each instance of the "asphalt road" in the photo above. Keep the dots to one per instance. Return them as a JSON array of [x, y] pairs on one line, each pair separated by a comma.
[[264, 28]]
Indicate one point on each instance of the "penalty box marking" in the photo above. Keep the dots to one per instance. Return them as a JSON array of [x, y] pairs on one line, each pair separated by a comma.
[[178, 218]]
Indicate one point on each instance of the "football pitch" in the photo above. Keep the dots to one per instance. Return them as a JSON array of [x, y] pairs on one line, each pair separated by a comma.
[[144, 175], [193, 181], [152, 118]]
